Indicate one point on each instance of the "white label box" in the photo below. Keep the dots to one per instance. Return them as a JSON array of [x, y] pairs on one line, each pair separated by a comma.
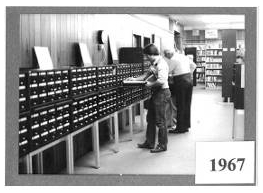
[[225, 162]]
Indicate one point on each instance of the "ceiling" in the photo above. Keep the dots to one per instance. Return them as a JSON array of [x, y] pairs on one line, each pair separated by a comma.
[[211, 21]]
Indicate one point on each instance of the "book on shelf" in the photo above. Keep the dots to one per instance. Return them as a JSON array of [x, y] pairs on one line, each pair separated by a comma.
[[215, 66], [217, 75], [213, 79], [214, 53], [213, 59], [200, 69], [213, 72], [212, 85]]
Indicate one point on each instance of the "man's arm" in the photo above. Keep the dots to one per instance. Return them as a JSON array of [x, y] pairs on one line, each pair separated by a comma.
[[154, 84], [162, 76], [192, 66]]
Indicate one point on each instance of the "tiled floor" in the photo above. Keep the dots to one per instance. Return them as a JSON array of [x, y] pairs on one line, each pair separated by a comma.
[[211, 121]]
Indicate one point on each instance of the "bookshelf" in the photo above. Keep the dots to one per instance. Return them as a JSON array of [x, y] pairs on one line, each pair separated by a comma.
[[200, 74], [208, 63], [213, 71], [200, 65], [200, 61], [219, 56]]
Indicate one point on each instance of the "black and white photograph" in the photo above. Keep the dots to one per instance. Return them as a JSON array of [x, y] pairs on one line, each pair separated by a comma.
[[131, 96]]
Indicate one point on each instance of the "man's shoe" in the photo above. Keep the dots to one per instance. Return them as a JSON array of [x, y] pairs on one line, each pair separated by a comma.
[[174, 127], [171, 128], [159, 148], [145, 145], [177, 131]]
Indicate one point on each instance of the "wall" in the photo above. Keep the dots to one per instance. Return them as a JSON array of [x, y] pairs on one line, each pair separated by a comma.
[[175, 26], [59, 32], [240, 35], [188, 36]]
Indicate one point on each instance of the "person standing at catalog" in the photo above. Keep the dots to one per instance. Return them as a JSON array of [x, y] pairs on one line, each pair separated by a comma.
[[180, 70], [159, 101]]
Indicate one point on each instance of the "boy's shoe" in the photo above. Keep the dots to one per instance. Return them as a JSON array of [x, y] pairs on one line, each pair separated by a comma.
[[145, 145], [159, 148]]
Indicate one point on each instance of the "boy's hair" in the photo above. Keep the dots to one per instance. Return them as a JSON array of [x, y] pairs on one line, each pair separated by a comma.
[[151, 49]]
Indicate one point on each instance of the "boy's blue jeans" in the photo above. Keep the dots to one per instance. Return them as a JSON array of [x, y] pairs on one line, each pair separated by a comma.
[[156, 116]]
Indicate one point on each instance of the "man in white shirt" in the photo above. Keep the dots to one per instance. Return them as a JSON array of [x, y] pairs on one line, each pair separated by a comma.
[[180, 70], [159, 101]]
